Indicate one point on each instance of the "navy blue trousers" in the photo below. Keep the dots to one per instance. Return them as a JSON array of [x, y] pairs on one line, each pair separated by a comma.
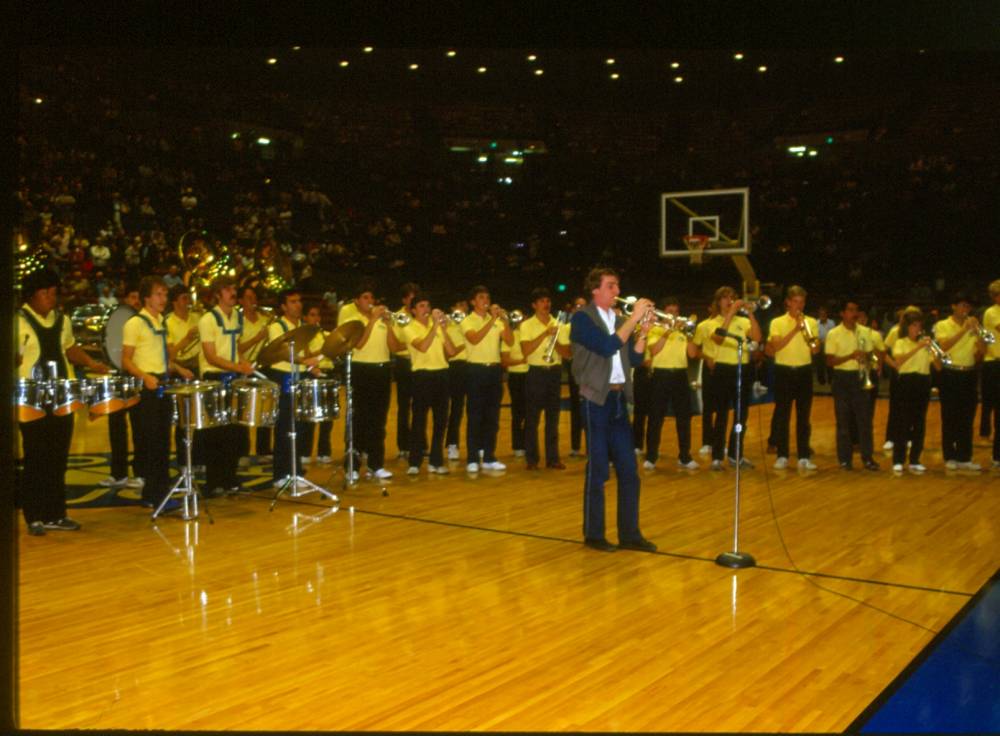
[[609, 438]]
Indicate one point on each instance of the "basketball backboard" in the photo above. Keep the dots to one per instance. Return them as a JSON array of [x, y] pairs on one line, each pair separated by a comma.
[[721, 215]]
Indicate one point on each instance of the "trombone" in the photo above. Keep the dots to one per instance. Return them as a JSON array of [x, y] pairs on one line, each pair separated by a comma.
[[561, 319]]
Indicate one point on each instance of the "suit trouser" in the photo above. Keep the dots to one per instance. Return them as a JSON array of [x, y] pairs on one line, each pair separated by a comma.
[[430, 392], [45, 443], [372, 385], [792, 385], [914, 394], [609, 439], [725, 394], [852, 406], [485, 391], [541, 389], [518, 408], [669, 387], [457, 380], [958, 414], [152, 420], [404, 401], [642, 395]]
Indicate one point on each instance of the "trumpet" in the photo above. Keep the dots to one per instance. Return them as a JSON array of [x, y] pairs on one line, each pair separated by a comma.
[[935, 349], [513, 318], [551, 346], [677, 323], [811, 340], [457, 316], [628, 305], [752, 305], [985, 335], [400, 318], [866, 365]]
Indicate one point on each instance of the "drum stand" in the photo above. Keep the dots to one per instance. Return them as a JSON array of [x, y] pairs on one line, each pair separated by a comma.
[[185, 487], [349, 463], [295, 484]]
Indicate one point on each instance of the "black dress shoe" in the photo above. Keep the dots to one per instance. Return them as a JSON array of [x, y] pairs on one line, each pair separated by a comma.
[[641, 544], [600, 544], [871, 465]]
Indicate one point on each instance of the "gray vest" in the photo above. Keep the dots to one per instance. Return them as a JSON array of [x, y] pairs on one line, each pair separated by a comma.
[[591, 371]]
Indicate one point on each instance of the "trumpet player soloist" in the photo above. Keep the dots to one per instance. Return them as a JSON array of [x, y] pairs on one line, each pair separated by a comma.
[[847, 353], [793, 341], [544, 343], [484, 329]]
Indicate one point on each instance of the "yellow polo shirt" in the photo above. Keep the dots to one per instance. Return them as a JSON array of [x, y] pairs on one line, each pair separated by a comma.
[[963, 353], [918, 363], [532, 328], [27, 341], [487, 351], [458, 339], [376, 349], [226, 339], [177, 330], [796, 353], [316, 346], [274, 332], [841, 341], [727, 351], [149, 347], [673, 354], [347, 313], [991, 322], [873, 338], [891, 337], [514, 352], [703, 337], [250, 330], [434, 358]]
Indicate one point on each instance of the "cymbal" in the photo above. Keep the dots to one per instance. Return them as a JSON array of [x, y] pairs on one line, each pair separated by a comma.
[[342, 339], [277, 350]]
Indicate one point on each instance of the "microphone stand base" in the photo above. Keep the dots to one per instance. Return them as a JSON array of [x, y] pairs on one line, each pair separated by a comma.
[[735, 560]]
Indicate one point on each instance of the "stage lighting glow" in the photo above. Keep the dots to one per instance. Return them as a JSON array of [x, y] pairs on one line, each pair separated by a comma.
[[838, 60], [38, 100]]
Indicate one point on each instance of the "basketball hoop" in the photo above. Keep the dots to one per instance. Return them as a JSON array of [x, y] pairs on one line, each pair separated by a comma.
[[696, 245]]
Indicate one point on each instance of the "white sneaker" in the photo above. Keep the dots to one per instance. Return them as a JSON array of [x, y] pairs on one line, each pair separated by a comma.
[[888, 445], [975, 467], [638, 451], [137, 482], [807, 464], [495, 465], [917, 468], [280, 482], [412, 470], [522, 453], [472, 468], [113, 482], [453, 452], [689, 465], [438, 469], [716, 465], [324, 459], [951, 465], [383, 474], [705, 450], [781, 463], [897, 468], [305, 461], [355, 476], [648, 465]]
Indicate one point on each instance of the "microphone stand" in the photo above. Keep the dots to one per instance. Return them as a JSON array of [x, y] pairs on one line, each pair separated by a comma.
[[736, 559]]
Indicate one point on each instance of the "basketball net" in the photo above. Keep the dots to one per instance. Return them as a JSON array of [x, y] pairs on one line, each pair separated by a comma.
[[696, 245]]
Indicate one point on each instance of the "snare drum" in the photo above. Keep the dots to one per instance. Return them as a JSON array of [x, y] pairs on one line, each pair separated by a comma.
[[109, 394], [67, 395], [198, 404], [31, 398], [253, 402], [316, 400]]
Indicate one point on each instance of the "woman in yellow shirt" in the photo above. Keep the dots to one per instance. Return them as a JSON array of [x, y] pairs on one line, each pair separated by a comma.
[[911, 358]]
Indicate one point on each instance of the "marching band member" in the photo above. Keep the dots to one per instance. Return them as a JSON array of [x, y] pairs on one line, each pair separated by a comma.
[[184, 348], [118, 422], [543, 386], [793, 341], [893, 375], [220, 329], [146, 356], [911, 358], [253, 339], [370, 374], [642, 389], [604, 345], [516, 365], [457, 379], [314, 316], [404, 390], [669, 350], [430, 345], [44, 336], [958, 336], [872, 339], [706, 350], [991, 367], [728, 305], [575, 420], [281, 373], [483, 330], [851, 406]]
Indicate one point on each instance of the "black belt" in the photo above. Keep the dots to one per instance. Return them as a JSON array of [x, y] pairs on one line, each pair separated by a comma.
[[359, 363], [616, 387], [960, 368], [558, 366], [484, 365]]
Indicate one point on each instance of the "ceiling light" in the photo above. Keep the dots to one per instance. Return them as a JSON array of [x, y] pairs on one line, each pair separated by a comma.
[[675, 65], [532, 57], [609, 61], [614, 75], [539, 72], [678, 80], [762, 68], [344, 62], [450, 53], [414, 67], [481, 70], [738, 56], [272, 61], [368, 49]]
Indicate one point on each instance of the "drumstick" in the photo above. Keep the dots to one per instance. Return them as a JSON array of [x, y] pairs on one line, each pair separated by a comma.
[[260, 375]]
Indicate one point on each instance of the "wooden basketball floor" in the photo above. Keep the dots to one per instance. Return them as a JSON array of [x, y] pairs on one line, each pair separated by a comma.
[[459, 603]]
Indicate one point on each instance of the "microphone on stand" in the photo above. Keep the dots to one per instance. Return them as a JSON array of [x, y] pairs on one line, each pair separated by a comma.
[[721, 332]]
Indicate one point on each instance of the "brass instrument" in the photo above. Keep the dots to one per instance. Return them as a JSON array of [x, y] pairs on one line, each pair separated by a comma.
[[203, 260], [677, 323], [513, 318], [811, 340], [400, 318], [985, 335], [936, 350], [550, 347], [752, 305], [457, 316], [628, 306], [865, 365]]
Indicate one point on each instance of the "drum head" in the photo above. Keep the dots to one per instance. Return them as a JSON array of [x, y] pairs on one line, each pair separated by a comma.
[[111, 339]]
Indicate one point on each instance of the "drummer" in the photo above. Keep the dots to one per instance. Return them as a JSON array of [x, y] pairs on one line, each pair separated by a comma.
[[254, 336], [182, 344], [324, 369], [220, 329], [290, 302], [118, 421], [45, 335], [145, 355]]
